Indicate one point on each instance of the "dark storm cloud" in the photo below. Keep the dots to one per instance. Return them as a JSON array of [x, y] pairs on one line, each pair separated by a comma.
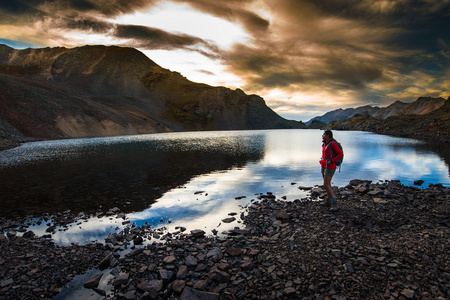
[[89, 24], [152, 38], [109, 8], [57, 8], [347, 46]]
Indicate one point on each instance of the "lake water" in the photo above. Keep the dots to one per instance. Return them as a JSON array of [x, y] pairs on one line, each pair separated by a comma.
[[191, 179]]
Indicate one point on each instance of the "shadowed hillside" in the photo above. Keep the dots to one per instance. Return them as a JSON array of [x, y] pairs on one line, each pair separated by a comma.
[[88, 91]]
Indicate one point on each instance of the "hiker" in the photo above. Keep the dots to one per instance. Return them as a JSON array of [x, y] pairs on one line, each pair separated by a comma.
[[331, 153]]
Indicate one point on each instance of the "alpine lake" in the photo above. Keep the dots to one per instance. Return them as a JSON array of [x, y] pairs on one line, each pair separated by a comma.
[[192, 179]]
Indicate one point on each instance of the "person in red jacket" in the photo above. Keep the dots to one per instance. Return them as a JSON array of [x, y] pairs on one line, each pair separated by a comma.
[[331, 153]]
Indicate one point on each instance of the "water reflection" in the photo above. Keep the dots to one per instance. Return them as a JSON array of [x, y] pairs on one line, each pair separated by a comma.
[[131, 172], [128, 172]]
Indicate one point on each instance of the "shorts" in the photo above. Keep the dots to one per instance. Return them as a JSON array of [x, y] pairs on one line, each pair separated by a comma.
[[328, 172]]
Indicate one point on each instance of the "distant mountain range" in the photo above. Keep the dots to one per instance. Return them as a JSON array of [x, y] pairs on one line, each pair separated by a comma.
[[421, 106], [434, 125], [54, 93]]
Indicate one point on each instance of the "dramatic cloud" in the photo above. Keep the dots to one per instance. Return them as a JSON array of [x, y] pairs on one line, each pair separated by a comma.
[[304, 57]]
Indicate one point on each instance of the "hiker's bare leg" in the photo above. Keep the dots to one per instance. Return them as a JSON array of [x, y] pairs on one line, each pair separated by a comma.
[[327, 185]]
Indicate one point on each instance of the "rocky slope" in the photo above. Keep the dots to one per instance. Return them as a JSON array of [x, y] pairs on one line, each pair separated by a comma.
[[433, 125], [421, 106], [88, 91]]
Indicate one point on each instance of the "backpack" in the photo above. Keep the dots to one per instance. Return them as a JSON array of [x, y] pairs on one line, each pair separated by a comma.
[[339, 162]]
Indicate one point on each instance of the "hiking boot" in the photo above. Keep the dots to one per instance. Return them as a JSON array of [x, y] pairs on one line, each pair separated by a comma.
[[334, 207], [326, 202]]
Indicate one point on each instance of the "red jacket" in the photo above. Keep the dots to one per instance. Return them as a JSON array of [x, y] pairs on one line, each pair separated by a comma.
[[330, 154]]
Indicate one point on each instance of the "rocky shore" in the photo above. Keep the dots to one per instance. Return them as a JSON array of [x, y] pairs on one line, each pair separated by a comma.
[[387, 241]]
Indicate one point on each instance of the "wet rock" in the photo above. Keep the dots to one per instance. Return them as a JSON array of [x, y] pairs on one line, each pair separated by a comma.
[[28, 235], [418, 182], [122, 279], [197, 233], [12, 233], [93, 281], [229, 220], [192, 294], [104, 263]]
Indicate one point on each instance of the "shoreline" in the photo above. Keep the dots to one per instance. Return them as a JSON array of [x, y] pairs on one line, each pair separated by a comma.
[[6, 144], [386, 241]]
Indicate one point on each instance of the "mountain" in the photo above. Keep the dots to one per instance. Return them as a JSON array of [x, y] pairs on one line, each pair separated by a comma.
[[421, 106], [88, 91], [433, 125]]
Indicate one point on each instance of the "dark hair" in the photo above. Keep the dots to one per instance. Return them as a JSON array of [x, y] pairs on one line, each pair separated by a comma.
[[329, 133]]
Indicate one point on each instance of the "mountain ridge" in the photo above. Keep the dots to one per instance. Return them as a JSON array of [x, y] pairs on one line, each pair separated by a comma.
[[53, 93], [434, 125], [420, 106]]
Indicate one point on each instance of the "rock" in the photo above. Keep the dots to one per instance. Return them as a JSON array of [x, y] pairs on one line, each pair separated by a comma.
[[248, 265], [104, 263], [192, 294], [191, 261], [178, 286], [380, 200], [282, 215], [28, 235], [229, 220], [152, 287], [289, 291], [336, 252], [6, 282], [220, 276], [356, 182], [122, 279], [93, 281], [375, 192], [197, 233], [349, 268], [418, 182], [12, 233], [182, 272], [169, 259], [408, 293], [165, 275], [234, 251], [215, 254], [135, 252], [138, 241]]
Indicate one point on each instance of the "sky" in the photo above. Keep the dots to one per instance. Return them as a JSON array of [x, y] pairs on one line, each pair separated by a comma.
[[304, 57]]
